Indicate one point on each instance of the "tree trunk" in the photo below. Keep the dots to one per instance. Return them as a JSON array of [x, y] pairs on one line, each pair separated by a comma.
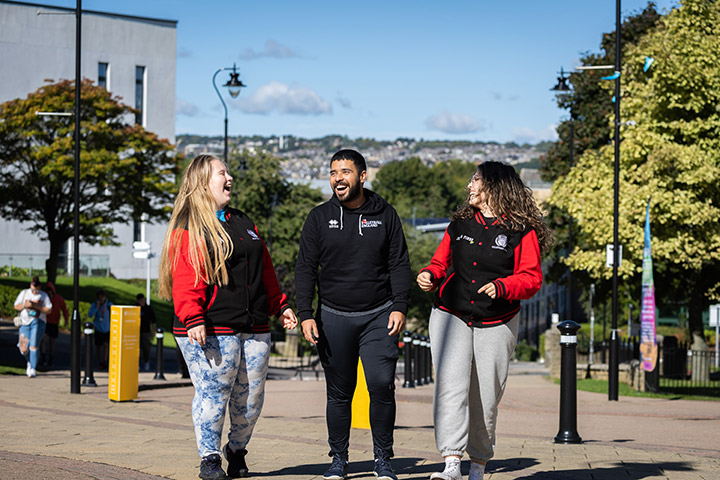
[[51, 264]]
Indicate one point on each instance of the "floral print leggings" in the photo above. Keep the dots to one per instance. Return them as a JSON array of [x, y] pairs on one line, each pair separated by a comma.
[[228, 371]]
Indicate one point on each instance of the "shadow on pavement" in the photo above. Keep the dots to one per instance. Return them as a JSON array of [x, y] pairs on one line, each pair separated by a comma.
[[634, 470]]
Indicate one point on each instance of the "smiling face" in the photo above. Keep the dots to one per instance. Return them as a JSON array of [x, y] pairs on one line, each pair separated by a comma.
[[220, 184], [478, 197], [347, 183]]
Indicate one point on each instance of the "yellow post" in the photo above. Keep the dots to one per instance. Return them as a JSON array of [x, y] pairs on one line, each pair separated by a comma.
[[361, 402], [124, 353]]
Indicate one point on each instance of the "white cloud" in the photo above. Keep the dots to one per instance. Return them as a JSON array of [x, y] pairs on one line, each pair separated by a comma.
[[186, 108], [449, 122], [527, 135], [272, 49], [282, 98]]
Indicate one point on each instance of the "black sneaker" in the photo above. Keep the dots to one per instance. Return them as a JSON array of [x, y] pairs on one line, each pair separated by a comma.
[[211, 468], [237, 467], [338, 469], [383, 470]]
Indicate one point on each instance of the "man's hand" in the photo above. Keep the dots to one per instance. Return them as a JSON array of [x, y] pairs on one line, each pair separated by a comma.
[[424, 281], [198, 335], [396, 323], [310, 330], [289, 320]]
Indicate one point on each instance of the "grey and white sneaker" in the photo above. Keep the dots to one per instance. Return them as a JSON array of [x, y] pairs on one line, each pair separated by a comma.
[[451, 472], [477, 471]]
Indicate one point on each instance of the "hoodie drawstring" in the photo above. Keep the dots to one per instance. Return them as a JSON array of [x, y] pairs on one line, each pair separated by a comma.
[[341, 218], [360, 225]]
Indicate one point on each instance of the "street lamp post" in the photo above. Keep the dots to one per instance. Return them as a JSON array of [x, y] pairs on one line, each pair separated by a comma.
[[233, 85], [614, 340], [75, 322], [561, 89]]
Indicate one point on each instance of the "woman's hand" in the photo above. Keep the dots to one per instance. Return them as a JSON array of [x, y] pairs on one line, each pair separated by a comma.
[[197, 334], [489, 290], [289, 320], [424, 281]]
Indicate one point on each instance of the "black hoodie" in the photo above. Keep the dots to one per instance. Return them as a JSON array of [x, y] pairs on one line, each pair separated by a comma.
[[362, 256]]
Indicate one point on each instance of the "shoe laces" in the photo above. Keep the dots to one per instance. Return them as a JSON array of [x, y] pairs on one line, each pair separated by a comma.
[[382, 464]]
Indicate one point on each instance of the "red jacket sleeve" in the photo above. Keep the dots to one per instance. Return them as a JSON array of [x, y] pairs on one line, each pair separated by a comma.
[[277, 300], [527, 275], [441, 261], [188, 297]]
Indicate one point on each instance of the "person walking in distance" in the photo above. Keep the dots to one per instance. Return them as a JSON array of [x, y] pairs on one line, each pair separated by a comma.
[[488, 260], [219, 274], [52, 327], [33, 305], [354, 249], [147, 329], [100, 313]]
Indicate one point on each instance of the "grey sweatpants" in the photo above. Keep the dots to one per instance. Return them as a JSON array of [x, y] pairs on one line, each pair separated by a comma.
[[471, 367]]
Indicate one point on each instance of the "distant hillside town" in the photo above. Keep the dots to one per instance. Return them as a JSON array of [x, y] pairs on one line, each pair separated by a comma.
[[306, 159]]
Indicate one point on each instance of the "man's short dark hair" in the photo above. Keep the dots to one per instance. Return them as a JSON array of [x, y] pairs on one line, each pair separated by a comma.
[[139, 296], [100, 292], [352, 155]]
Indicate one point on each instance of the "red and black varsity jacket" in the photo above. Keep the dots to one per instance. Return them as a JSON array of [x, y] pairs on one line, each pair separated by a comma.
[[245, 303], [477, 251]]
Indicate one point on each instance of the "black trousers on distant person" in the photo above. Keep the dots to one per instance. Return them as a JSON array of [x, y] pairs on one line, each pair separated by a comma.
[[345, 336]]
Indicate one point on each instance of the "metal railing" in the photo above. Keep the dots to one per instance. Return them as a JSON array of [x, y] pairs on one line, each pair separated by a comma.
[[29, 264]]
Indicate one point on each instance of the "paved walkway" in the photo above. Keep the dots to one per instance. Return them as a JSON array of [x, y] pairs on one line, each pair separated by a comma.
[[50, 433]]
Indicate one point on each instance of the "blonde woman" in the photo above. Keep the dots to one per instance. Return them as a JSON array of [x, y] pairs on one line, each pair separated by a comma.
[[217, 270]]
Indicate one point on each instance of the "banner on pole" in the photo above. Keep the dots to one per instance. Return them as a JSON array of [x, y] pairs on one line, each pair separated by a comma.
[[648, 340]]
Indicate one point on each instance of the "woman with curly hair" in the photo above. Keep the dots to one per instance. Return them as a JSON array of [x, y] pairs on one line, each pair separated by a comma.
[[487, 261], [218, 272]]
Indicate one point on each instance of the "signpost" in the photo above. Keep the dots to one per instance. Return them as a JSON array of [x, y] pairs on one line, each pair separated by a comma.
[[142, 250]]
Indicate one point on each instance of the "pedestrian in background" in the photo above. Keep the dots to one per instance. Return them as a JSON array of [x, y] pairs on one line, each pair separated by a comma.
[[147, 330], [219, 274], [33, 305], [52, 326], [487, 261], [100, 313], [354, 249]]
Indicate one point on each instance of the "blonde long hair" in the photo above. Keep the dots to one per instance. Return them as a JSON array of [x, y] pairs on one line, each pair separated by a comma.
[[209, 245]]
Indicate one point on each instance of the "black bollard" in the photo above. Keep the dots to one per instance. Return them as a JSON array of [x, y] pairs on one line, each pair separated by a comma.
[[416, 359], [89, 331], [568, 383], [159, 367], [425, 357], [407, 353], [428, 362], [421, 362]]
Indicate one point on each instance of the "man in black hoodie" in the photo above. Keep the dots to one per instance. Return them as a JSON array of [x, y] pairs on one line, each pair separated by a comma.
[[357, 243]]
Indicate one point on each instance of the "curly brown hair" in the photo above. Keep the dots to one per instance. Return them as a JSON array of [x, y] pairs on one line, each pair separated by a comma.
[[510, 200]]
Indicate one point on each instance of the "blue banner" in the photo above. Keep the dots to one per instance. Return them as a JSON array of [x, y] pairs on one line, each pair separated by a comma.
[[648, 340]]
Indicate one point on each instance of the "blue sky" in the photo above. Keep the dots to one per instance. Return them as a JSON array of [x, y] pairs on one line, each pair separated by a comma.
[[458, 69]]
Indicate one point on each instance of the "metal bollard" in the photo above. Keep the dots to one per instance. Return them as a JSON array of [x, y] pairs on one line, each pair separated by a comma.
[[425, 357], [159, 367], [428, 362], [416, 359], [568, 383], [89, 331], [407, 353], [421, 362]]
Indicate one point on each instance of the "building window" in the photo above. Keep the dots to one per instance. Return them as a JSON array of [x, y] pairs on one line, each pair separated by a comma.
[[137, 231], [140, 95], [103, 75]]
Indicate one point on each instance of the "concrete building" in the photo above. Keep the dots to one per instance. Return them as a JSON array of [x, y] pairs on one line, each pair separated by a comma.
[[133, 57]]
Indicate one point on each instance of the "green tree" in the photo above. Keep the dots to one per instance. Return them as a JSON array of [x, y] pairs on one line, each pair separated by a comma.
[[415, 189], [277, 207], [671, 156], [126, 172]]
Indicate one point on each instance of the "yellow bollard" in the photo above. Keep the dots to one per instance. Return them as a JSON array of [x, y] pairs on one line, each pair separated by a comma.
[[361, 401], [124, 353]]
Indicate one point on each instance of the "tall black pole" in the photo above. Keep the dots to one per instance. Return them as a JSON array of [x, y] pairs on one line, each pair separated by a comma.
[[569, 315], [614, 340], [75, 326], [225, 154]]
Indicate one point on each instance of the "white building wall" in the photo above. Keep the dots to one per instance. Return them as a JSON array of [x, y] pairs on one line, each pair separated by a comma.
[[37, 47]]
